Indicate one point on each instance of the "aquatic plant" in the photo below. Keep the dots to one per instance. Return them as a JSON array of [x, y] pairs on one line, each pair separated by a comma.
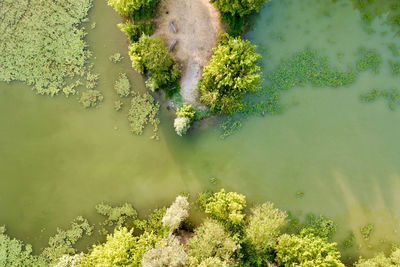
[[366, 231], [118, 105], [91, 98], [319, 226], [116, 58], [392, 96], [42, 44], [122, 85], [143, 110], [229, 126], [368, 59], [135, 31], [116, 216], [395, 67]]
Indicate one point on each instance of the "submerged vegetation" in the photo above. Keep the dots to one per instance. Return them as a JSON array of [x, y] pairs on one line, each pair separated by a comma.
[[42, 44], [122, 85], [392, 96], [228, 235], [91, 98]]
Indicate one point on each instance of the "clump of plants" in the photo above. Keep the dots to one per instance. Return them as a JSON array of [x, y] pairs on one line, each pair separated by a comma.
[[143, 110], [229, 75], [91, 98], [369, 59], [366, 231], [392, 96], [42, 44], [395, 67], [135, 31], [136, 9], [122, 85], [118, 105], [150, 56], [184, 117], [116, 58]]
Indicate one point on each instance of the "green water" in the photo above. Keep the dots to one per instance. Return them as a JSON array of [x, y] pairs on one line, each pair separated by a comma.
[[57, 160]]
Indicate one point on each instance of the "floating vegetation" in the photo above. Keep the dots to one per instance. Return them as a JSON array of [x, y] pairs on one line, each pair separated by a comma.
[[395, 67], [230, 126], [299, 194], [116, 58], [366, 231], [348, 242], [395, 50], [143, 110], [93, 25], [118, 105], [392, 96], [41, 43], [115, 216], [369, 60], [122, 85], [90, 98]]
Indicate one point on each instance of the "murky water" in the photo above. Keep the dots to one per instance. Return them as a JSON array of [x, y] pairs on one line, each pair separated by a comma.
[[58, 160]]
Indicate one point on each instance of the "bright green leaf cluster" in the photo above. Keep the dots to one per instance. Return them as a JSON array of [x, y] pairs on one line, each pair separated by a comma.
[[150, 56], [229, 75], [133, 8], [238, 7], [135, 31]]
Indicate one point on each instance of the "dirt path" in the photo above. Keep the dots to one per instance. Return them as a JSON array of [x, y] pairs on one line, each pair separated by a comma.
[[198, 25]]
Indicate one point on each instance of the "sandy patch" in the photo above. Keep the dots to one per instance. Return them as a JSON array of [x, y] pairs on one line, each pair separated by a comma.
[[198, 25]]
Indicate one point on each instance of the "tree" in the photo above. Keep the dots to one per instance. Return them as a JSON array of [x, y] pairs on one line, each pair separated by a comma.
[[309, 250], [381, 260], [229, 75], [120, 249], [150, 56], [135, 31], [238, 7], [227, 208], [176, 213], [263, 230], [135, 8], [167, 252], [211, 241]]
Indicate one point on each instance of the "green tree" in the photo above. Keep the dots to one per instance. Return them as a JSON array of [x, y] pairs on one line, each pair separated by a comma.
[[381, 260], [262, 232], [150, 56], [238, 7], [229, 75], [309, 250], [120, 249], [227, 208], [211, 241], [136, 8], [135, 31]]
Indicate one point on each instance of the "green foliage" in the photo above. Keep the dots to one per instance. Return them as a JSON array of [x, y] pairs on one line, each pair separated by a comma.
[[122, 85], [116, 58], [319, 226], [211, 241], [395, 67], [69, 260], [153, 223], [90, 98], [229, 75], [116, 216], [348, 242], [368, 59], [309, 250], [142, 111], [118, 105], [186, 111], [227, 208], [62, 243], [167, 252], [391, 96], [120, 249], [137, 9], [135, 31], [15, 253], [366, 231], [229, 127], [41, 43], [238, 7], [381, 260], [150, 56]]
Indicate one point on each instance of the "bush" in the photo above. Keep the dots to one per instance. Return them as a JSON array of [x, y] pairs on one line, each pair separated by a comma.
[[181, 125], [186, 111], [167, 252], [150, 56], [381, 260], [135, 31], [176, 213], [229, 75], [134, 8], [238, 7]]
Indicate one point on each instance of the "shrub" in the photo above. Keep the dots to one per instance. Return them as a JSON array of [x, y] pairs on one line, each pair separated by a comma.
[[181, 125], [229, 75], [381, 260], [186, 111], [167, 252], [238, 7], [135, 8], [135, 31], [150, 56]]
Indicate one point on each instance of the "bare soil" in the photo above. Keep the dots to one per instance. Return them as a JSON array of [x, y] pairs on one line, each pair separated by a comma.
[[198, 26]]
